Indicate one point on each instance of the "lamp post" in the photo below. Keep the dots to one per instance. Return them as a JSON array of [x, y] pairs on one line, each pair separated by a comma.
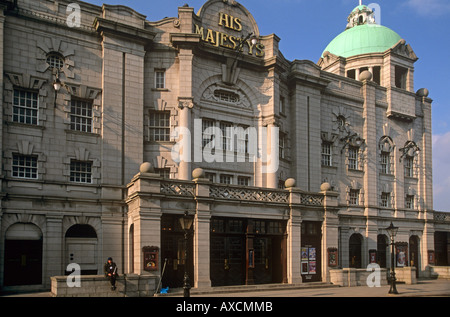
[[186, 223], [392, 233], [57, 86]]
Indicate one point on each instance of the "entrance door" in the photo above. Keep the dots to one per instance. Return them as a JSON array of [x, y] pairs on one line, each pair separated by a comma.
[[173, 249], [263, 260], [311, 268], [23, 255], [355, 245], [23, 262], [414, 253], [227, 260]]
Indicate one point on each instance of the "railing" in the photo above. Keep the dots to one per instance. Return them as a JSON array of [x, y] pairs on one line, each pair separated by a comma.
[[230, 192], [248, 194], [177, 188], [441, 216]]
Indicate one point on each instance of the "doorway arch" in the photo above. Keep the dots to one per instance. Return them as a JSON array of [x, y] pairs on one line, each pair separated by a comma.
[[23, 255], [382, 250], [414, 253], [355, 252], [81, 247]]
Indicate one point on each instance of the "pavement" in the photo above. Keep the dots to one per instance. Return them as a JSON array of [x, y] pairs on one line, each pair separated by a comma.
[[423, 288]]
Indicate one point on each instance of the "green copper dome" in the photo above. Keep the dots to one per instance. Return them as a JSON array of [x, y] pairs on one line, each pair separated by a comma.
[[362, 36]]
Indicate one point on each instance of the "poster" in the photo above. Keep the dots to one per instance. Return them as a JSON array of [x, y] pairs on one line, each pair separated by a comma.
[[304, 254], [402, 254], [304, 267], [332, 257], [312, 267], [312, 254]]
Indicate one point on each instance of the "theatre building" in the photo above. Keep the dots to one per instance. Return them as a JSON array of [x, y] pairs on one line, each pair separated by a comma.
[[115, 130]]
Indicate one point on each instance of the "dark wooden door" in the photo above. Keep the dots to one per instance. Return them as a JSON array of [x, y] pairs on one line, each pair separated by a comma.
[[227, 260], [23, 262], [263, 260], [414, 253]]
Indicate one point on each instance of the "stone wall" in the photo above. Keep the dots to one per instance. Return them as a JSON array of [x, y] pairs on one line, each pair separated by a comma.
[[131, 285]]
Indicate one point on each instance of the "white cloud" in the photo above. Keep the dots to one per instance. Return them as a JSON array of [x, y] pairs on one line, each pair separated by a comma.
[[441, 171], [429, 7]]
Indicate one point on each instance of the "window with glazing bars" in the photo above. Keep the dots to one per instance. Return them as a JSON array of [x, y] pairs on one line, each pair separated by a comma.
[[227, 136], [409, 201], [409, 164], [385, 163], [354, 197], [160, 79], [81, 115], [226, 179], [385, 199], [326, 154], [25, 106], [159, 126], [81, 172], [25, 166], [353, 158], [208, 137]]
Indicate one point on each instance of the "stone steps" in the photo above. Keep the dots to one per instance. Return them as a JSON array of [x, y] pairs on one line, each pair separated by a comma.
[[246, 288]]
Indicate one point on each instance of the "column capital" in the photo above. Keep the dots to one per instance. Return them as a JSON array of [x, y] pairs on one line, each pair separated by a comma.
[[185, 102]]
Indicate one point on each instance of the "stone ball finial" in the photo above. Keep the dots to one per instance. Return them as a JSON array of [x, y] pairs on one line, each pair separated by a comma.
[[365, 75], [422, 92], [289, 183], [146, 167], [197, 173], [325, 187]]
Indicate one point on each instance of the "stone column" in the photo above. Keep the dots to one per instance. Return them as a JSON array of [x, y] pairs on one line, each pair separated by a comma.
[[330, 228], [54, 248], [185, 106], [294, 228], [202, 239]]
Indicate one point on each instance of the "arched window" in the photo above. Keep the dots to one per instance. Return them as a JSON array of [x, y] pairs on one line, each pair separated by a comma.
[[382, 248]]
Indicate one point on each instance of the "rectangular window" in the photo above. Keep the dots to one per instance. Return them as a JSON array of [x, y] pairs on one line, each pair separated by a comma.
[[25, 107], [24, 166], [385, 199], [353, 158], [81, 115], [385, 163], [409, 201], [81, 172], [226, 179], [242, 140], [243, 181], [354, 197], [326, 154], [227, 136], [211, 177], [163, 172], [160, 79], [208, 138], [159, 126], [409, 164]]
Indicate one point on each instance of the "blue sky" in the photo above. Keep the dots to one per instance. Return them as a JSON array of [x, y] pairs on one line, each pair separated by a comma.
[[306, 27]]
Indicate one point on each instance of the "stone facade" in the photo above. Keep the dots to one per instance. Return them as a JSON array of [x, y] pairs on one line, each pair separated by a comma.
[[350, 138]]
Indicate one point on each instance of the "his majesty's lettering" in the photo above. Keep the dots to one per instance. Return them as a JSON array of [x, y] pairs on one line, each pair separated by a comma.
[[221, 39]]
